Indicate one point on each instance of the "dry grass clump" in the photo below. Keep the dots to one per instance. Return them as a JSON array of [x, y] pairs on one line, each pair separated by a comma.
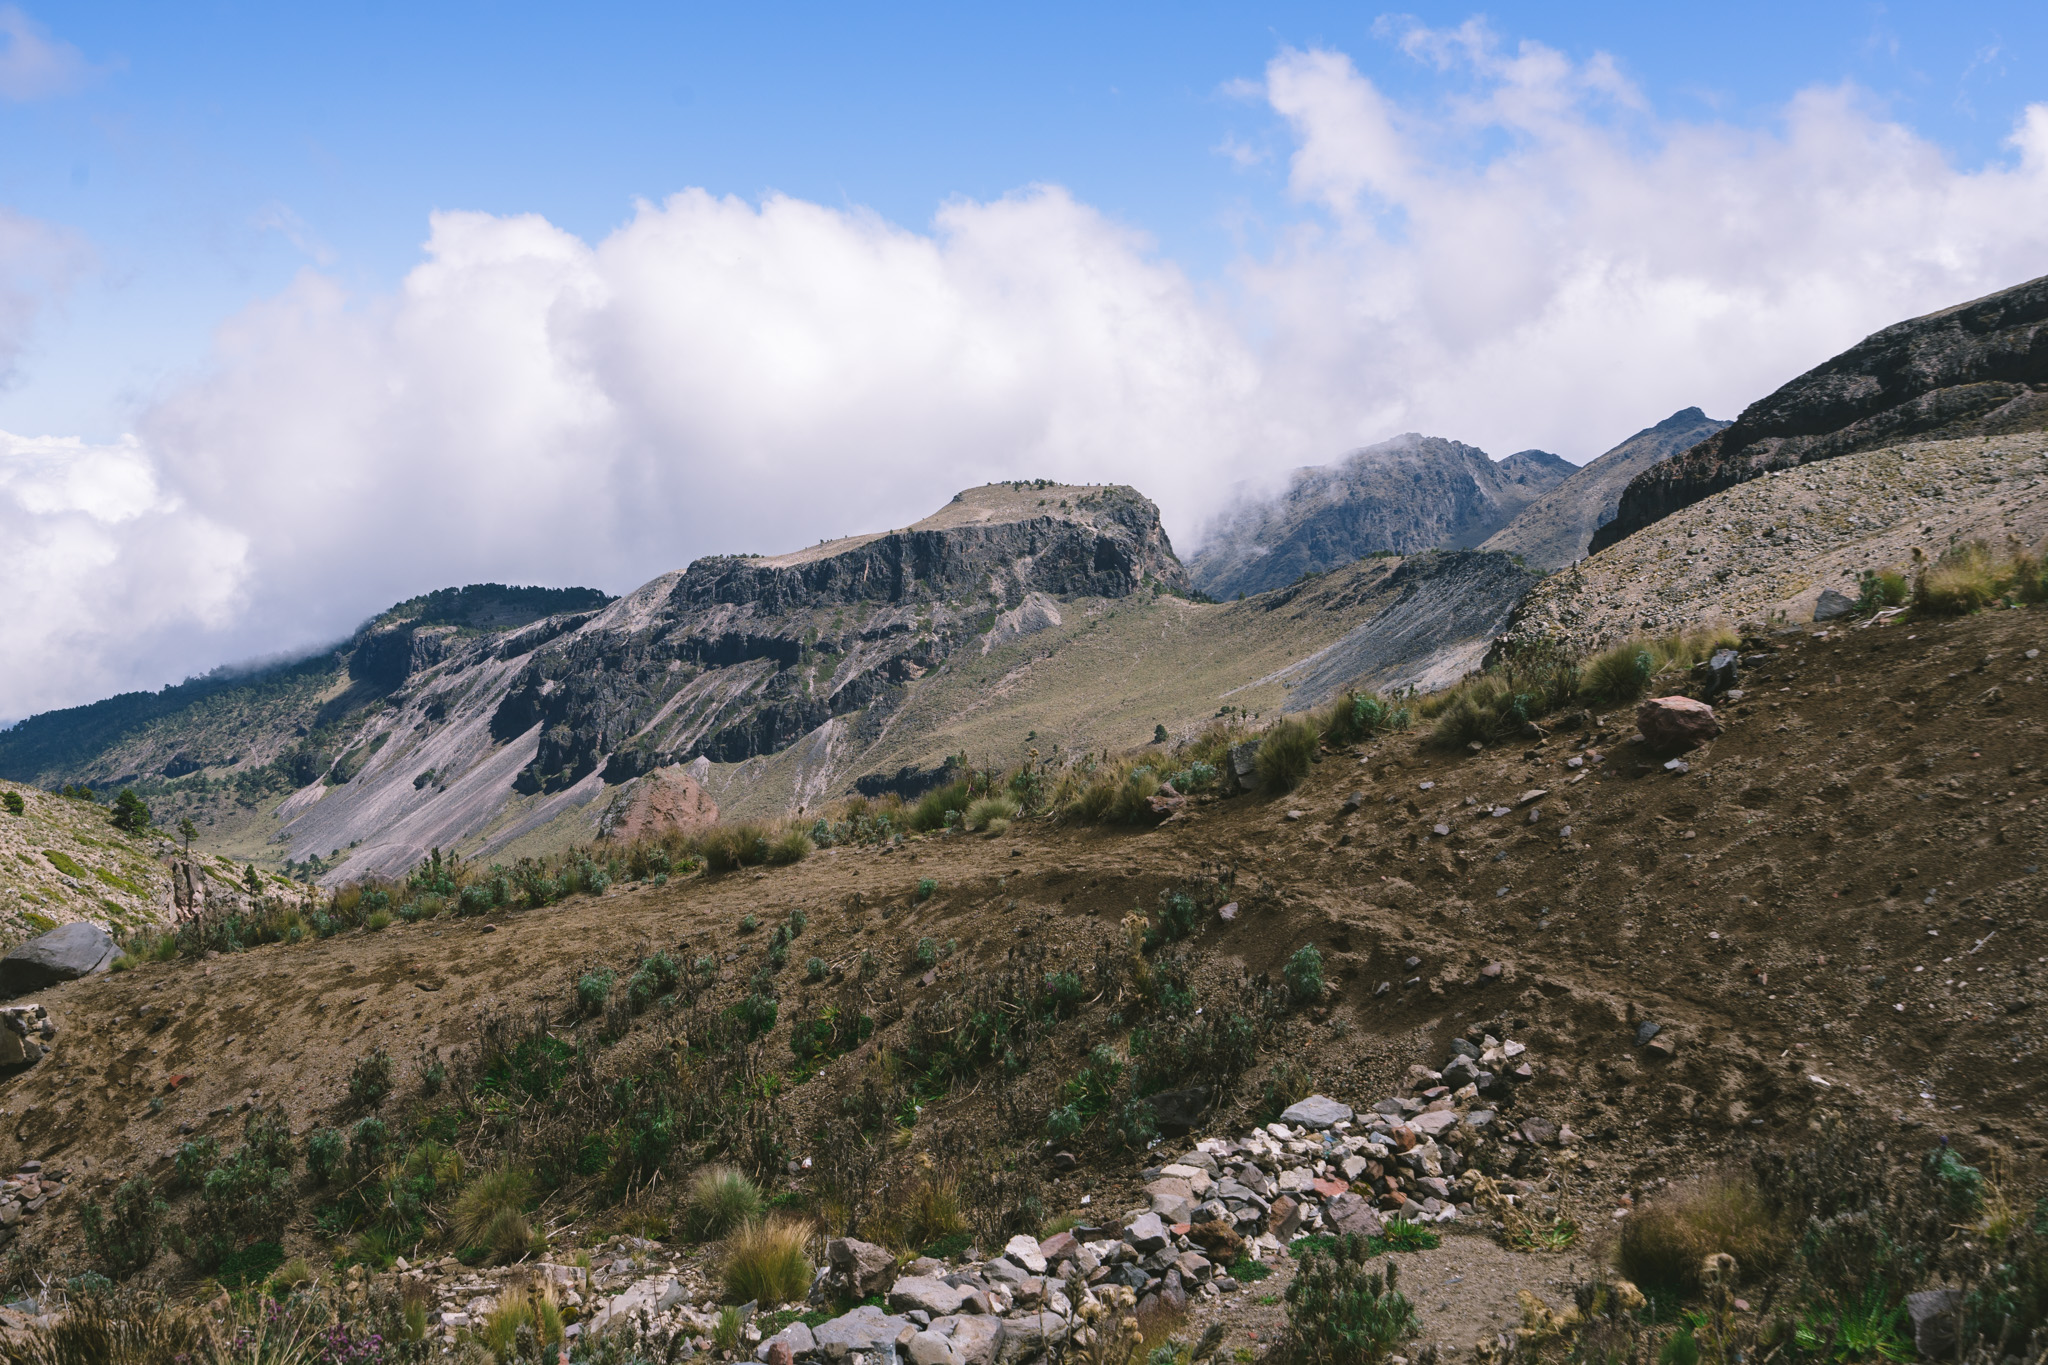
[[720, 1199], [1359, 716], [1663, 1245], [1286, 753], [531, 1307], [1971, 576], [988, 812], [767, 1263], [753, 843]]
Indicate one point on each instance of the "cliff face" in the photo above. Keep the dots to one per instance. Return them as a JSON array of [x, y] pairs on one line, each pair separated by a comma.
[[1556, 528], [741, 657], [1978, 369], [1409, 494]]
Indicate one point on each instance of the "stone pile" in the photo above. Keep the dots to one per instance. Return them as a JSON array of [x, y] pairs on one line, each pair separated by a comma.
[[27, 1193]]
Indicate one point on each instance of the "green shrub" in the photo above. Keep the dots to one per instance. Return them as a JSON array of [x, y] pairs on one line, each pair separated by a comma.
[[369, 1147], [1063, 1124], [1961, 1186], [657, 976], [1358, 716], [245, 1198], [252, 1264], [765, 1263], [814, 969], [925, 888], [370, 1079], [15, 805], [1285, 755], [720, 1199], [125, 1238], [191, 1161], [1130, 801], [927, 953], [1877, 589], [325, 1150], [1304, 976], [941, 808], [1338, 1313]]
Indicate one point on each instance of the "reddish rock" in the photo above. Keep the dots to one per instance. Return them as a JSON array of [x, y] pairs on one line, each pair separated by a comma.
[[666, 799], [779, 1353], [1058, 1247], [1285, 1220], [1404, 1138], [1330, 1189], [1676, 722]]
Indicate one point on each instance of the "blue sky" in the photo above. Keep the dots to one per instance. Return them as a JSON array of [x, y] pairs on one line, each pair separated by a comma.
[[305, 310], [207, 152]]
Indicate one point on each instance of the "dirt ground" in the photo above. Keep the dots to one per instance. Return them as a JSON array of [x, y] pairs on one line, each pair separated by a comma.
[[1835, 909]]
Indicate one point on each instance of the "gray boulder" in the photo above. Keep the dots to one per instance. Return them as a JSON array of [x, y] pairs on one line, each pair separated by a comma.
[[1934, 1313], [64, 954], [1026, 1336], [1317, 1111], [976, 1341], [1722, 673], [866, 1267], [796, 1336], [866, 1328], [1146, 1233], [1832, 605], [1244, 765], [935, 1297]]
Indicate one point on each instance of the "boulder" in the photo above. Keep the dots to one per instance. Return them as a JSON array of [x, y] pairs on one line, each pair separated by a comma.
[[1218, 1239], [932, 1348], [64, 954], [1286, 1217], [794, 1340], [1023, 1250], [1244, 765], [1832, 605], [1171, 1199], [1722, 673], [866, 1328], [935, 1297], [866, 1267], [1061, 1246], [1349, 1213], [976, 1341], [1146, 1233], [1317, 1111], [1676, 722], [1026, 1336], [1176, 1112], [1933, 1313]]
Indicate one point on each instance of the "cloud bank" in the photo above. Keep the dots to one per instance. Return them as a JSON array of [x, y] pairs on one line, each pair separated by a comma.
[[1531, 257]]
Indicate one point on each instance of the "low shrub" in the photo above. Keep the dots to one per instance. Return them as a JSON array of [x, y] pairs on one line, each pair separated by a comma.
[[1359, 716], [370, 1080], [1877, 589], [791, 846], [125, 1238], [765, 1263], [814, 969], [1304, 976], [941, 808], [1339, 1313], [593, 989], [1285, 755], [246, 1197], [720, 1199]]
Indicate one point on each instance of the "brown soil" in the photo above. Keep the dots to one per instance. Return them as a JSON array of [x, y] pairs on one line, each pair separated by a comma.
[[1835, 910]]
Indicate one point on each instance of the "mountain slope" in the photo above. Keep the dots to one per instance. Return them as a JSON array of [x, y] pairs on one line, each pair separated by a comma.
[[1977, 369], [1405, 495], [62, 860], [1556, 528], [1769, 547]]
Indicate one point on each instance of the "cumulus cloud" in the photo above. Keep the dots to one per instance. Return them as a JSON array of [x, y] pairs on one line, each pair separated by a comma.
[[1537, 258], [1534, 256], [33, 64], [100, 562]]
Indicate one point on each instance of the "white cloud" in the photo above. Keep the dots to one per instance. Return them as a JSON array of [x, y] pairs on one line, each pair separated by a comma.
[[34, 65], [37, 262], [100, 566], [1536, 257]]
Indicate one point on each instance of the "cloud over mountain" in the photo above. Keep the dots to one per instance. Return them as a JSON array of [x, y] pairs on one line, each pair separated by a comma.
[[1531, 256]]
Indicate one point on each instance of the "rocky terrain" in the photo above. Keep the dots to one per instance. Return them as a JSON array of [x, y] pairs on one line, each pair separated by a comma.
[[1398, 497], [1556, 529], [1977, 369], [1768, 548], [62, 860], [1830, 909]]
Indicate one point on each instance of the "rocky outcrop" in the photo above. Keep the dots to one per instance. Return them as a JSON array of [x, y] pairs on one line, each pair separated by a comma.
[[1980, 368], [667, 800], [1405, 495], [1556, 528]]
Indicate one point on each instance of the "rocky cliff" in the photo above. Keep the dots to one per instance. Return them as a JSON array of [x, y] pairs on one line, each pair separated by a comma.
[[1978, 369], [1556, 528], [1405, 495]]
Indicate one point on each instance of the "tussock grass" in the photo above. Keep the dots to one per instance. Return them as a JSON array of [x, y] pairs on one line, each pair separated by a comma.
[[766, 1263], [984, 813], [720, 1199], [1286, 753], [529, 1306], [1663, 1245], [490, 1211], [1972, 576]]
